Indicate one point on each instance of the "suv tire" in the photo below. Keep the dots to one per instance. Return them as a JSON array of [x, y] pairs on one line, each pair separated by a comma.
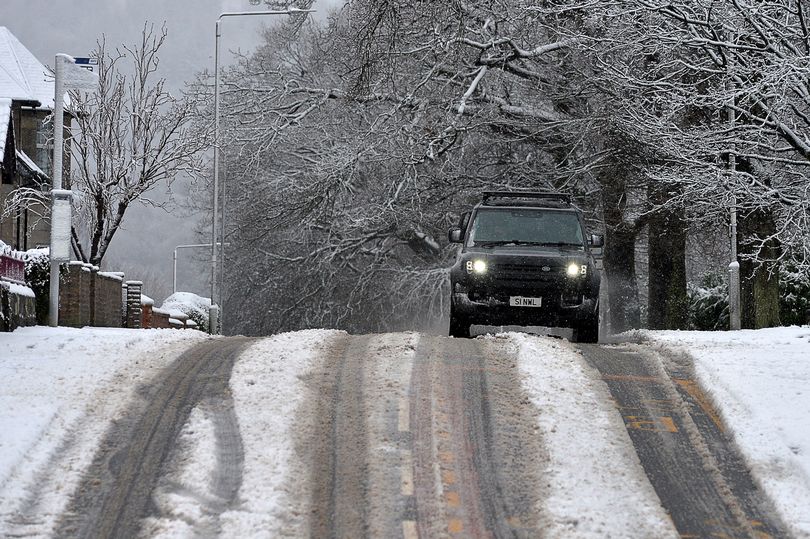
[[587, 331]]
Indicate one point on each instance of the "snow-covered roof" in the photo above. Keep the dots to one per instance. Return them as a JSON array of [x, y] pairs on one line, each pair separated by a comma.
[[5, 121], [22, 76], [29, 164]]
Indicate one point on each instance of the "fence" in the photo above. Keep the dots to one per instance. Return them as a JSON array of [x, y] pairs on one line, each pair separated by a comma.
[[17, 301], [12, 267]]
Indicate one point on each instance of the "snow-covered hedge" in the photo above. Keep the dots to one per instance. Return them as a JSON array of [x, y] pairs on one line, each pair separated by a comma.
[[708, 304], [794, 297], [192, 305]]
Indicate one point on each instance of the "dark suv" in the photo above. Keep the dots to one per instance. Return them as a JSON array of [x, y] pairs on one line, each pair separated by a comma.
[[525, 260]]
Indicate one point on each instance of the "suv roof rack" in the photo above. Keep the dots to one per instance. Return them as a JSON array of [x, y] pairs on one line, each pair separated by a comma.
[[487, 196]]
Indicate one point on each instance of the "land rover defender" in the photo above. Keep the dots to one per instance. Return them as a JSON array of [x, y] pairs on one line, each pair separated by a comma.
[[526, 260]]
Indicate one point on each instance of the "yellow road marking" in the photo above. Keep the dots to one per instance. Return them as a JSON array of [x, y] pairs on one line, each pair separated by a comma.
[[514, 521], [454, 525], [404, 422], [452, 499], [691, 387], [661, 424], [448, 477], [446, 457], [409, 530], [668, 423], [406, 474]]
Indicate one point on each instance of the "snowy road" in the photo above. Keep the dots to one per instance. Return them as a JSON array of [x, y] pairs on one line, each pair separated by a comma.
[[696, 470], [117, 489], [442, 443], [319, 433]]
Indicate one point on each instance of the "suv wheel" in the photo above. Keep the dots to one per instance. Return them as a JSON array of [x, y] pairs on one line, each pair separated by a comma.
[[459, 326], [587, 331]]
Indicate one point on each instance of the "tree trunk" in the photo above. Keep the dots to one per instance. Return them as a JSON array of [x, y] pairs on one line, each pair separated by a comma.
[[759, 280], [619, 258], [668, 305]]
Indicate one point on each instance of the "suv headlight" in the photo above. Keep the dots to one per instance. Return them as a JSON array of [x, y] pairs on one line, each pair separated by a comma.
[[575, 270], [476, 266]]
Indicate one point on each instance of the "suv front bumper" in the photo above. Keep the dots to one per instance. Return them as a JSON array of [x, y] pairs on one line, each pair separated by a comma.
[[555, 310]]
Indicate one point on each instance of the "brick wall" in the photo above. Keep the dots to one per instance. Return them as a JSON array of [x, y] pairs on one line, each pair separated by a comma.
[[74, 296], [89, 298], [107, 300], [134, 307]]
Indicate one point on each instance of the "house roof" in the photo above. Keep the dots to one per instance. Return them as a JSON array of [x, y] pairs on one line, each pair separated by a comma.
[[5, 122], [29, 164], [22, 76]]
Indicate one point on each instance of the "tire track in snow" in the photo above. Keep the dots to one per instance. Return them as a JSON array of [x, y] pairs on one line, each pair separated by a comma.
[[116, 492]]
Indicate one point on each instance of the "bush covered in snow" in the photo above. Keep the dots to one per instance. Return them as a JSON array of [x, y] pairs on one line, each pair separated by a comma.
[[192, 305], [708, 304], [794, 300], [38, 279]]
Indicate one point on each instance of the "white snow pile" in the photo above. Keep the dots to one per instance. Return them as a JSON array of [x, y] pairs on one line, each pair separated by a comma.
[[597, 487], [760, 382], [60, 388]]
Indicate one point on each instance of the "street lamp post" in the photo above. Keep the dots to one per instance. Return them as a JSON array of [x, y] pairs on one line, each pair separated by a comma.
[[214, 243], [734, 307]]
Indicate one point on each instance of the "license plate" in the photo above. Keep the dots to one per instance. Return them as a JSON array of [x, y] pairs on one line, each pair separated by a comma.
[[520, 301]]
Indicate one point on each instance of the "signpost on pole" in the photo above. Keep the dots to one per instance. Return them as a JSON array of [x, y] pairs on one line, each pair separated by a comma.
[[70, 74]]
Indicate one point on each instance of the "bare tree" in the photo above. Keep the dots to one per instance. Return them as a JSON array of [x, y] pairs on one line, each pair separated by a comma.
[[129, 137]]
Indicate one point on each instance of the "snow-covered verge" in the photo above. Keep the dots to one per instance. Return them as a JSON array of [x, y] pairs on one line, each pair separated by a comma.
[[596, 485], [60, 388], [760, 382]]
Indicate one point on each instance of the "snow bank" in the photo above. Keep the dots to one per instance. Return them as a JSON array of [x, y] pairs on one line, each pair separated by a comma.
[[60, 388], [596, 485], [760, 382]]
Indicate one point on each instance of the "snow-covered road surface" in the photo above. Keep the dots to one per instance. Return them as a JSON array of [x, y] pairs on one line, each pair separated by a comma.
[[60, 388], [760, 382], [587, 480]]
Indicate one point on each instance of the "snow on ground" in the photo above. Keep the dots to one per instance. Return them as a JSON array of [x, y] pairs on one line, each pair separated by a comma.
[[760, 381], [596, 485], [60, 388], [269, 387]]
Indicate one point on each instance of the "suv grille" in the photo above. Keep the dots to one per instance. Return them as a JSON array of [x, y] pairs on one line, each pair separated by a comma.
[[523, 272]]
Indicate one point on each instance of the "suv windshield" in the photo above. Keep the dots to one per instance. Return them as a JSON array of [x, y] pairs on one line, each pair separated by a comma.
[[525, 227]]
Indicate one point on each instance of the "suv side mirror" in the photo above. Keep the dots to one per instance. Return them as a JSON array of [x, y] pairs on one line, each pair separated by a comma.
[[454, 235], [597, 240]]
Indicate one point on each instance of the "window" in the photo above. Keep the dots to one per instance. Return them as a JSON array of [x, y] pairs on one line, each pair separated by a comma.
[[44, 145], [521, 226]]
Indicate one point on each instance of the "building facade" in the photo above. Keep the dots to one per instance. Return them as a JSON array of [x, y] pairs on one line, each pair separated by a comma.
[[27, 90]]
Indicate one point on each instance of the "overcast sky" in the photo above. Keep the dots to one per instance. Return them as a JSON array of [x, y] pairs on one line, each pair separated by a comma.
[[73, 26]]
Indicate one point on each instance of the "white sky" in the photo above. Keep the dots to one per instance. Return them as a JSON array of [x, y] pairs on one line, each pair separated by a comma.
[[73, 26], [148, 236]]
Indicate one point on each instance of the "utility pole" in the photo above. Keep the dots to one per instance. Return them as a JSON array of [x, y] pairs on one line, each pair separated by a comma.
[[734, 264], [68, 76]]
